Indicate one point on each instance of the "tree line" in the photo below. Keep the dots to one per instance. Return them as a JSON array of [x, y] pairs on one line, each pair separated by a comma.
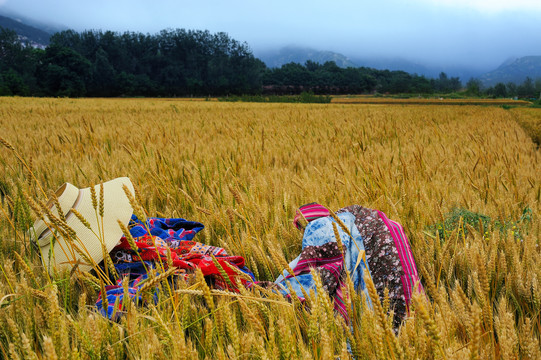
[[328, 78], [528, 89], [183, 62], [95, 63]]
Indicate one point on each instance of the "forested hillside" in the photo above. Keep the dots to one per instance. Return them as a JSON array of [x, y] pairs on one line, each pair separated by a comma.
[[515, 71], [180, 63], [95, 63], [26, 32]]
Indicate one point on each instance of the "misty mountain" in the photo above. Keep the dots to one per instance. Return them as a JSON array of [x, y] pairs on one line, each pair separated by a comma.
[[288, 54], [464, 73], [47, 26], [277, 58], [514, 71], [394, 64], [36, 37]]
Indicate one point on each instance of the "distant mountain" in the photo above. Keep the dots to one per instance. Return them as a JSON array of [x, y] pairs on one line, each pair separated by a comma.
[[48, 27], [514, 71], [285, 55], [36, 37], [393, 64], [464, 73], [299, 55]]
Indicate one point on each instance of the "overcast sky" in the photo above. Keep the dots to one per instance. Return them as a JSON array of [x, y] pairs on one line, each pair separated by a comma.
[[478, 33]]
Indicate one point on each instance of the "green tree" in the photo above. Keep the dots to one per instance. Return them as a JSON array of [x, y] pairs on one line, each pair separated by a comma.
[[64, 72], [526, 89], [473, 87], [500, 90], [17, 65], [444, 84], [11, 83], [538, 87], [102, 76], [10, 49], [511, 88], [312, 65]]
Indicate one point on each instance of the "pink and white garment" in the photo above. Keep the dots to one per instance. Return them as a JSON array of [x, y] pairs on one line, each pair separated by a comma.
[[389, 257]]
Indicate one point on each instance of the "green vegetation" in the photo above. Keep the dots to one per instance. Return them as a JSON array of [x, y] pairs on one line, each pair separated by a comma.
[[182, 63], [304, 97], [514, 71], [328, 78], [186, 63], [528, 89], [464, 221], [104, 64]]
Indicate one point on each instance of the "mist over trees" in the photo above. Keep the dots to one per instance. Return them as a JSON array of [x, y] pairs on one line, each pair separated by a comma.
[[179, 63], [328, 78]]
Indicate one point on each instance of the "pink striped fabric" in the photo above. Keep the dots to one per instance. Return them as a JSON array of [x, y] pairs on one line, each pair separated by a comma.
[[310, 212], [411, 276]]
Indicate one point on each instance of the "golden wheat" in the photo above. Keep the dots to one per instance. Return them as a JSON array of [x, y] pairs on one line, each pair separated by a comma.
[[242, 169]]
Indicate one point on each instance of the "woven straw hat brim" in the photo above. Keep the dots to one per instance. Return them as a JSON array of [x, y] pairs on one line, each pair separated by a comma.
[[67, 196], [60, 253]]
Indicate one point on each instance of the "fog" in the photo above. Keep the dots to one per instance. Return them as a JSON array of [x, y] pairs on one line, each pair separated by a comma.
[[474, 33]]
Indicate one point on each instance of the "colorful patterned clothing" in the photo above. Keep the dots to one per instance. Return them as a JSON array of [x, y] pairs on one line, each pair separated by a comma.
[[410, 280], [174, 236], [320, 251], [382, 257], [167, 229], [309, 212]]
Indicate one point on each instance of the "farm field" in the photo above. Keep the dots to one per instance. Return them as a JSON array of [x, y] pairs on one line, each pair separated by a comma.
[[393, 100], [242, 169]]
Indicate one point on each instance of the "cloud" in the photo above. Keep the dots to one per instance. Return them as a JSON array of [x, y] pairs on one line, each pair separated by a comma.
[[490, 6]]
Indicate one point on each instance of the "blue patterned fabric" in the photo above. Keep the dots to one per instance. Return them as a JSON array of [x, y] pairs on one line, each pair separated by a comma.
[[136, 273], [174, 229], [318, 233]]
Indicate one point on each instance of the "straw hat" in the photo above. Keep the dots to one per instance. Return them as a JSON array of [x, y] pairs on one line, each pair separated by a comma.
[[106, 231]]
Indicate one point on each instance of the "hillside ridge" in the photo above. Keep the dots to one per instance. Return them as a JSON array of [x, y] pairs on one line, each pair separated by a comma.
[[27, 33], [515, 71]]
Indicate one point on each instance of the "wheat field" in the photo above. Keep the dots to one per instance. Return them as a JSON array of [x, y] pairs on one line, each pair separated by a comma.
[[242, 169]]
